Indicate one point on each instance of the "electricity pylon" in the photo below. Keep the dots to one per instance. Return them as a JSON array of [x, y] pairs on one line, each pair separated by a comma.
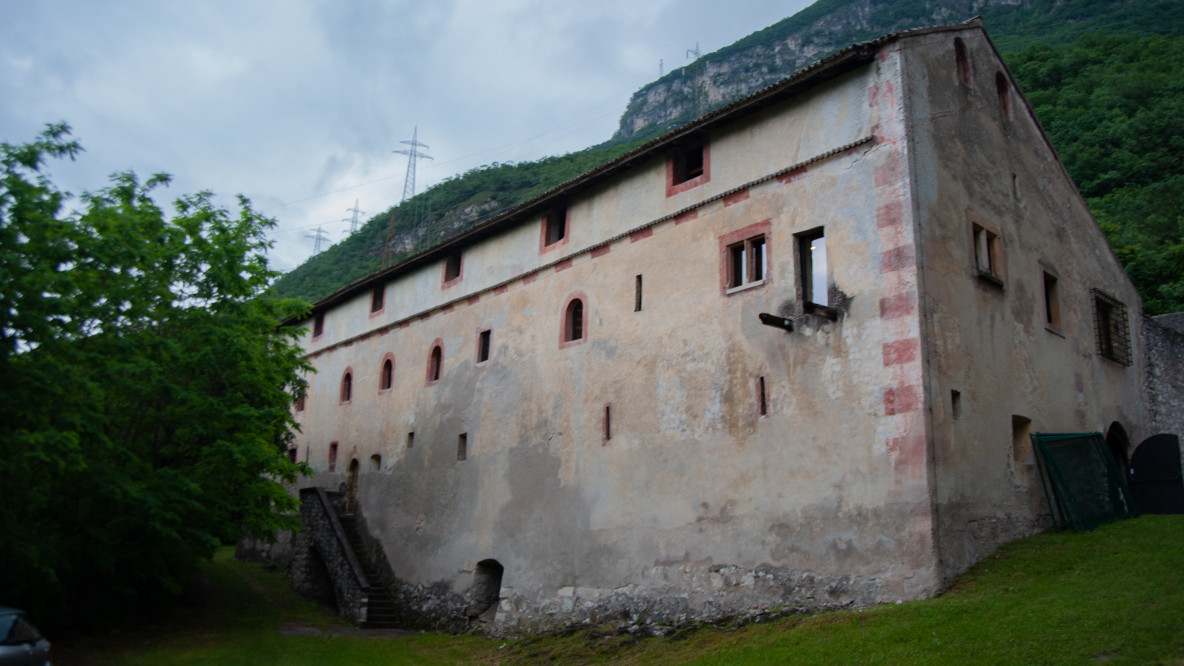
[[353, 225], [319, 237], [412, 155]]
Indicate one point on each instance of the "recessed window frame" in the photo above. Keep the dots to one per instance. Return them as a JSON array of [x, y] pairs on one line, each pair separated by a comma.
[[378, 300], [484, 345], [1052, 300], [453, 269], [811, 251], [987, 257], [386, 377], [751, 247], [554, 229], [688, 165], [346, 390], [574, 321], [435, 366], [318, 325], [462, 447], [1111, 328]]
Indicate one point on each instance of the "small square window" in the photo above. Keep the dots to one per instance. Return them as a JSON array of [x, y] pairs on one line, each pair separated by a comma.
[[688, 165], [555, 226], [484, 338], [452, 269]]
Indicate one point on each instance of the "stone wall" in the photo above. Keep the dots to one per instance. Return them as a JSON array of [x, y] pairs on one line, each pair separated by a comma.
[[321, 551], [1163, 384]]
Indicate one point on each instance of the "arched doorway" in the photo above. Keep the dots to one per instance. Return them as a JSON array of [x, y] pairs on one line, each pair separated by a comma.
[[1119, 445], [486, 590], [351, 488]]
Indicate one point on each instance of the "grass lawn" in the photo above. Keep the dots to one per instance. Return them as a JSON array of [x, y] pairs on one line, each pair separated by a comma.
[[1114, 595]]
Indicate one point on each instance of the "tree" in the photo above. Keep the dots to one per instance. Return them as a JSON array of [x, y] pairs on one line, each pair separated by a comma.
[[145, 390]]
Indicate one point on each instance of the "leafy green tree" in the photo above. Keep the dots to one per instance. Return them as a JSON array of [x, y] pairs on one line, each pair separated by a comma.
[[144, 388]]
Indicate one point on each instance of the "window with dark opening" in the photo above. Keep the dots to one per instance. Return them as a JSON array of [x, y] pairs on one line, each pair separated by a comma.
[[637, 295], [483, 342], [1052, 303], [608, 422], [1003, 90], [1021, 439], [573, 321], [300, 402], [318, 325], [333, 457], [452, 268], [555, 223], [292, 454], [410, 439], [1112, 327], [988, 259], [762, 404], [347, 382], [812, 268], [962, 60], [387, 377], [688, 162], [956, 404], [462, 447], [377, 297], [746, 262], [435, 364], [486, 590]]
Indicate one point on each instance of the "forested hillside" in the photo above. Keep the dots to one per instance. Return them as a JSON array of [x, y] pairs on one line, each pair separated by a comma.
[[1105, 78]]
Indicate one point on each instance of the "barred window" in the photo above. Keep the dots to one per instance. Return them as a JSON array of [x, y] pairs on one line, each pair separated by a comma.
[[1113, 329]]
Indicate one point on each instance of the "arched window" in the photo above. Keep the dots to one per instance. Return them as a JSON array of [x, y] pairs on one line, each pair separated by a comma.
[[387, 377], [436, 362], [573, 321], [347, 382]]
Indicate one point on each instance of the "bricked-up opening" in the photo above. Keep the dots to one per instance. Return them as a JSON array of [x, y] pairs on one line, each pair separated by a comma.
[[608, 422], [435, 363], [1021, 440], [452, 268], [410, 439], [1112, 328], [573, 321], [318, 325], [746, 262], [347, 386], [1003, 91], [637, 295], [375, 463], [484, 338], [487, 587], [555, 226], [956, 404], [333, 457], [462, 447], [812, 268], [387, 377], [762, 401], [1052, 301], [377, 297], [962, 60]]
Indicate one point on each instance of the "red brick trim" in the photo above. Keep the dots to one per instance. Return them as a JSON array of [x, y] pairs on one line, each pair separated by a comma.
[[687, 217], [641, 235], [473, 300], [898, 305], [901, 352], [601, 251], [901, 400], [563, 265], [530, 277], [736, 197], [791, 176]]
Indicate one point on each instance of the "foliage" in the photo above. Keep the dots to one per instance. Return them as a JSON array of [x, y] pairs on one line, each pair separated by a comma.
[[1112, 106], [1109, 595], [145, 391]]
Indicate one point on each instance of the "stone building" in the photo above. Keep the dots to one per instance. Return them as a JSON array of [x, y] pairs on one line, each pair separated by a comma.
[[787, 355]]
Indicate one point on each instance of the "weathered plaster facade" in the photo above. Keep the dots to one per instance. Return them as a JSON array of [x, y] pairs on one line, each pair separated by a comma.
[[673, 457]]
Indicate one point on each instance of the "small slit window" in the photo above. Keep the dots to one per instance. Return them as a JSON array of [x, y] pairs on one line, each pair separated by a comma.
[[608, 423], [347, 386], [333, 457], [411, 440], [386, 377], [962, 61], [300, 402], [762, 400], [1052, 301], [375, 463], [435, 363], [462, 447], [637, 295], [484, 339]]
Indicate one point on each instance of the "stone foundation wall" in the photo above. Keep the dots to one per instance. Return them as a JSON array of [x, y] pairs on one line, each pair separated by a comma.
[[1163, 384]]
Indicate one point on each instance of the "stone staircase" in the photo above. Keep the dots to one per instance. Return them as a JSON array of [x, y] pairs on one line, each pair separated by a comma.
[[380, 613]]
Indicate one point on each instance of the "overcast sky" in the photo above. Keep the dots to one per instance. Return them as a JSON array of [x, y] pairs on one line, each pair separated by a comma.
[[299, 104]]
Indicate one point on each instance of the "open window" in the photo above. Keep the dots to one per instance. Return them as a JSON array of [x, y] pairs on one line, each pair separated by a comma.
[[813, 272], [452, 269], [988, 251], [554, 231], [688, 165], [377, 298]]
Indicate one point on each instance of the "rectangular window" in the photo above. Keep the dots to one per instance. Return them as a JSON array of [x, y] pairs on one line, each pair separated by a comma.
[[812, 268], [377, 297], [1052, 303], [318, 325], [555, 226], [1112, 327], [688, 165], [333, 457], [483, 340], [746, 262], [988, 252], [410, 439], [452, 268], [300, 402], [637, 295], [956, 404], [462, 447]]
